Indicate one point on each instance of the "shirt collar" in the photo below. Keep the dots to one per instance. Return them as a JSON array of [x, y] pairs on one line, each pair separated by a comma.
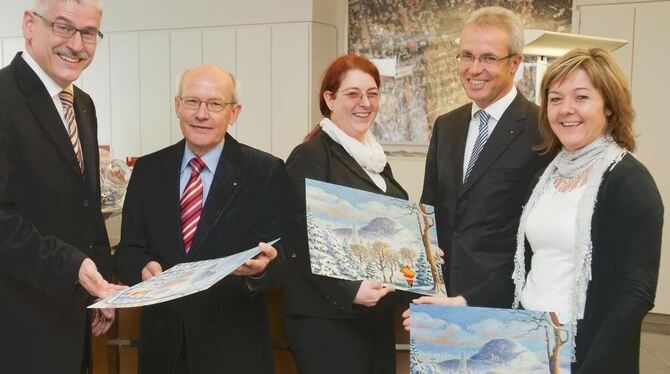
[[211, 158], [52, 87], [497, 109]]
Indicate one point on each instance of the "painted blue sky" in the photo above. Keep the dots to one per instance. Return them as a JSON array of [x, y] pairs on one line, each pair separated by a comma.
[[337, 205], [441, 331]]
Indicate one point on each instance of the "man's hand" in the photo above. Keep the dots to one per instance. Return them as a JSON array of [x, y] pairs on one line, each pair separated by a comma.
[[150, 270], [102, 321], [434, 300], [370, 292], [440, 254], [259, 263], [93, 282]]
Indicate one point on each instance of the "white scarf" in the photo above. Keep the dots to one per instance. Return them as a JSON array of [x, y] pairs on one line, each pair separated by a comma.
[[602, 154], [369, 154]]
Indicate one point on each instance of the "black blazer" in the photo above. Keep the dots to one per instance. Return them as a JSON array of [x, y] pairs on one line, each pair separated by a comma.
[[225, 327], [477, 222], [626, 230], [50, 221], [313, 295]]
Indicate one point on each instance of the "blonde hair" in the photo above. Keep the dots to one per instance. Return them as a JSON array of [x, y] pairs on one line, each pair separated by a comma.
[[501, 18], [608, 78]]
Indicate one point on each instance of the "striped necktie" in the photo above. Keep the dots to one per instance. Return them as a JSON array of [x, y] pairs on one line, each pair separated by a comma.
[[191, 203], [67, 98], [479, 142]]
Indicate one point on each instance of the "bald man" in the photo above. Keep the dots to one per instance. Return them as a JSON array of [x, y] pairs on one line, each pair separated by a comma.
[[207, 196]]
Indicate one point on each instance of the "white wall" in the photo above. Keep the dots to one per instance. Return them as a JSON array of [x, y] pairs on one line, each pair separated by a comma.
[[645, 25], [274, 47]]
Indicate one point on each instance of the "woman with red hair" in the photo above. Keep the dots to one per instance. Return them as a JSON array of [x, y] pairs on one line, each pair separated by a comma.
[[334, 325]]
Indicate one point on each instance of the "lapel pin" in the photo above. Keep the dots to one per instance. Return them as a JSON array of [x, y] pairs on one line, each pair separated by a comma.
[[235, 184], [511, 132]]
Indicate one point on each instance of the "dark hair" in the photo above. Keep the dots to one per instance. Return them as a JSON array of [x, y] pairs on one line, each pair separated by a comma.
[[333, 77], [606, 76]]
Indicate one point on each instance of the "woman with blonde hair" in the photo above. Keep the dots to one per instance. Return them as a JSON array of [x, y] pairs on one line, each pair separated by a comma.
[[589, 239]]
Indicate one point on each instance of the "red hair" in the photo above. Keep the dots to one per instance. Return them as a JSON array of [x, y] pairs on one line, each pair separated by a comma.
[[333, 78]]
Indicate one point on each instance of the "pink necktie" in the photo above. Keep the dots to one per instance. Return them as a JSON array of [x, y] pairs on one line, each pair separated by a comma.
[[66, 99], [191, 203]]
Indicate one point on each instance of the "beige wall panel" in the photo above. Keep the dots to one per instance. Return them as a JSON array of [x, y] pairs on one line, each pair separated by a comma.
[[11, 17], [219, 47], [124, 94], [254, 70], [95, 81], [185, 53], [408, 171], [324, 50], [160, 14], [600, 21], [650, 93], [290, 86], [9, 49], [155, 92]]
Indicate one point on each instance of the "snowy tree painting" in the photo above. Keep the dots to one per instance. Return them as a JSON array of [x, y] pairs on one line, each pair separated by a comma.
[[357, 235], [486, 340]]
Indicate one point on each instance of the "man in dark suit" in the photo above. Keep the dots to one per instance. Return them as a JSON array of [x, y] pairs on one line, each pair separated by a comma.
[[207, 196], [52, 234], [480, 163]]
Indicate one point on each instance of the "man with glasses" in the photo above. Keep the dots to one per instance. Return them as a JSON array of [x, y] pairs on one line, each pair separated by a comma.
[[53, 242], [480, 163], [205, 197]]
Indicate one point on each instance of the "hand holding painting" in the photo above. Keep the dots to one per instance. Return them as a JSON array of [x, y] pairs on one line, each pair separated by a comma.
[[370, 292], [433, 300], [150, 270]]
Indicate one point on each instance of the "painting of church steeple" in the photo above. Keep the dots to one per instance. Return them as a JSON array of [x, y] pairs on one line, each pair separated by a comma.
[[463, 364], [354, 232]]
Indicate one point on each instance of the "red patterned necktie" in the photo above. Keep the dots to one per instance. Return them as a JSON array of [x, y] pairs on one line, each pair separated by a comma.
[[191, 203], [66, 100]]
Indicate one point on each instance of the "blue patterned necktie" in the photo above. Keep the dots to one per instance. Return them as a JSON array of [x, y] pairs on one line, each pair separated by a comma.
[[479, 143]]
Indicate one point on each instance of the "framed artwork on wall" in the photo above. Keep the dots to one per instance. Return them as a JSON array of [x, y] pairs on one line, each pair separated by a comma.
[[415, 43]]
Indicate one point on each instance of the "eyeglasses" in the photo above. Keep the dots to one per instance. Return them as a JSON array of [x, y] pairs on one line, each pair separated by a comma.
[[467, 59], [213, 105], [64, 30], [357, 95]]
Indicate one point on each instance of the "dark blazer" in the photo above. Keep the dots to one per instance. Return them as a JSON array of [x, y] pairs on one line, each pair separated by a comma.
[[320, 313], [477, 222], [626, 230], [325, 160], [225, 328], [50, 221]]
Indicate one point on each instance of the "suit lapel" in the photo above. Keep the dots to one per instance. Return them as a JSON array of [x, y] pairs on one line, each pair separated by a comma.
[[166, 189], [87, 137], [226, 183], [508, 128], [349, 162], [42, 107], [458, 139]]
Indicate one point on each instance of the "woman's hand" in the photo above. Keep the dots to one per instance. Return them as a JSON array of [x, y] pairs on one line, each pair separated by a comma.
[[370, 292], [433, 300]]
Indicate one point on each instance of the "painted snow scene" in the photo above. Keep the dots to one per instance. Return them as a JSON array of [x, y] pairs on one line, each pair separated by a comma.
[[358, 235], [446, 340]]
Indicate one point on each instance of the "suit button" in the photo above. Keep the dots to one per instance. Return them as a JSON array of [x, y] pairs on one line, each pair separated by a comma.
[[457, 233], [85, 203]]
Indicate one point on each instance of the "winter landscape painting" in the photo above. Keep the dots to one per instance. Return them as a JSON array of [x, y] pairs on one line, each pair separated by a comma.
[[358, 235], [446, 340]]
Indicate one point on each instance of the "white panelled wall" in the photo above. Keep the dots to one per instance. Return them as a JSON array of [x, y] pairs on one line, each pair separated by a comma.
[[275, 48], [134, 75]]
